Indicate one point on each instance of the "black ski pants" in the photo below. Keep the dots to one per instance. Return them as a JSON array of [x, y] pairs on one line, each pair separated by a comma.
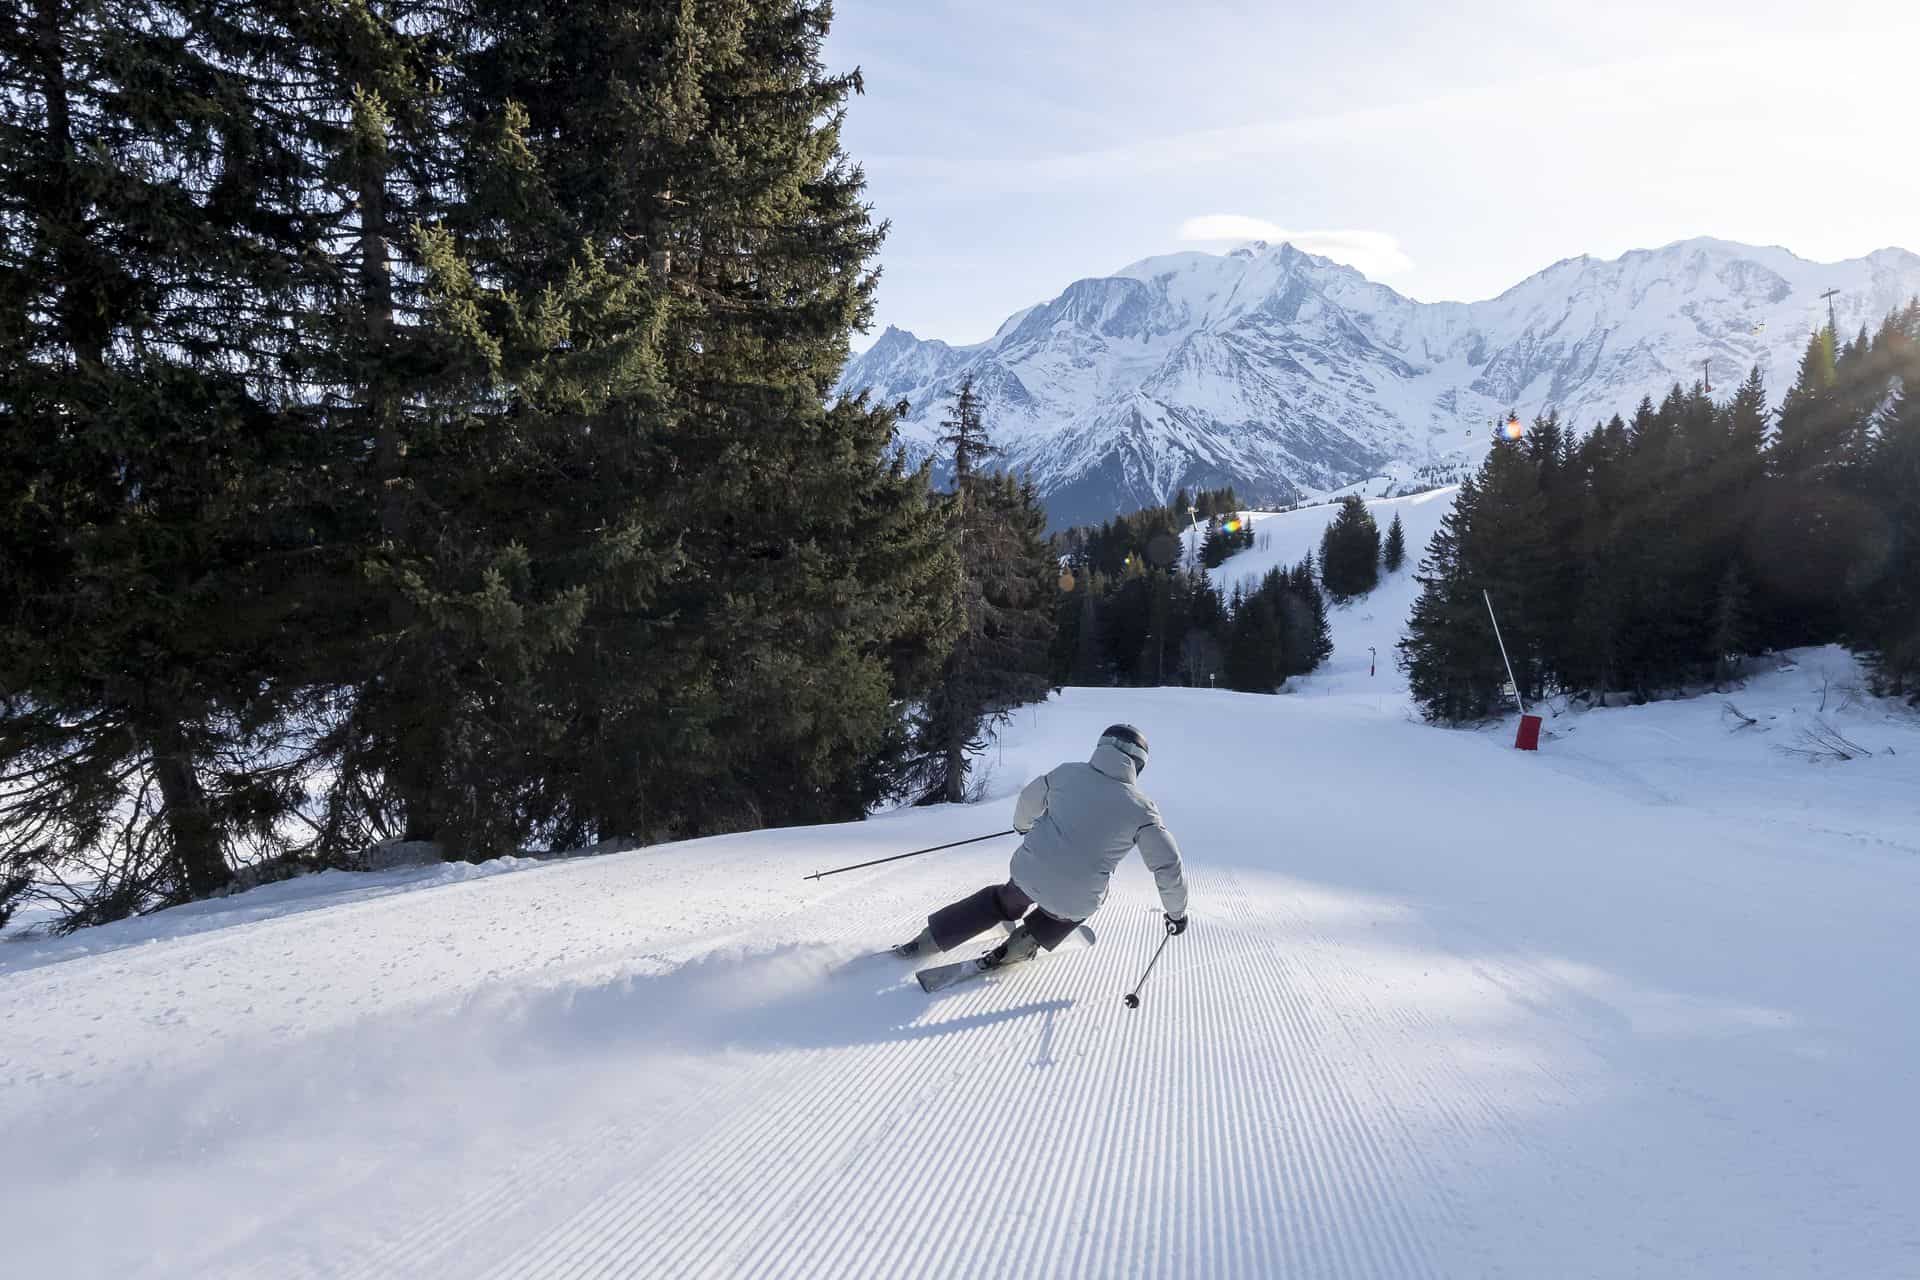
[[978, 912]]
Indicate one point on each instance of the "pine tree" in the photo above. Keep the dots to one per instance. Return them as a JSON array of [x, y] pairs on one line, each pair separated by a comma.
[[1561, 485], [1656, 551], [1508, 554], [1810, 428], [1815, 538], [1219, 544], [1393, 553], [1000, 658], [1453, 668], [1256, 639], [1311, 642], [1088, 666], [397, 369], [1729, 622], [1605, 522], [1890, 625], [1494, 542], [764, 586], [1747, 418], [1202, 653], [1350, 551], [166, 475], [964, 434]]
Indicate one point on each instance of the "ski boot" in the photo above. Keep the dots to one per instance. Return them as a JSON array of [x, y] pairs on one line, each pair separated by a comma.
[[921, 948], [1020, 945]]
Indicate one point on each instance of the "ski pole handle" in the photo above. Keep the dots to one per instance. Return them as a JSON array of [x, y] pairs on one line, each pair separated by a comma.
[[916, 853]]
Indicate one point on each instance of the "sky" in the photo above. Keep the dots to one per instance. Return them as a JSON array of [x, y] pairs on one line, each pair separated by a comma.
[[1446, 149]]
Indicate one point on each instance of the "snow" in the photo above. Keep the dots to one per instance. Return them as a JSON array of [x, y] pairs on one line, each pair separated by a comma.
[[1287, 373], [1378, 619], [1636, 1004]]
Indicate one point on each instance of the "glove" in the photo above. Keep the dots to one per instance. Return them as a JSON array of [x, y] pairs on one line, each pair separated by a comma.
[[1176, 925]]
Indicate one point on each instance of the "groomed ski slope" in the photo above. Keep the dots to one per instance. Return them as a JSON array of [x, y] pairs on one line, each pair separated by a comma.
[[1637, 1005]]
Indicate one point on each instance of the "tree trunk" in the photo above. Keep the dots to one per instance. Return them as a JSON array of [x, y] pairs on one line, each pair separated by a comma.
[[198, 861], [415, 773], [956, 770], [86, 325]]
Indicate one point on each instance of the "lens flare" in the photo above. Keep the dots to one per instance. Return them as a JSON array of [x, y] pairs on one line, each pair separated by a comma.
[[1233, 525], [1514, 429]]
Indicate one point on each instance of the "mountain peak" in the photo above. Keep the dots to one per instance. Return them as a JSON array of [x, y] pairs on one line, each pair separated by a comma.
[[1710, 243], [894, 335], [1282, 372], [1167, 264]]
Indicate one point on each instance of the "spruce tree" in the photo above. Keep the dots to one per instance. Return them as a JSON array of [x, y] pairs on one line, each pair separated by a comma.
[[165, 466], [1201, 649], [1350, 551], [1219, 544], [1311, 642], [1890, 623], [1088, 665], [1393, 552], [1256, 638], [1729, 637], [1747, 419], [1453, 668], [1004, 600], [1811, 430], [1655, 550], [1556, 465], [1591, 657], [449, 381], [1494, 542], [1509, 554], [763, 586], [1812, 531]]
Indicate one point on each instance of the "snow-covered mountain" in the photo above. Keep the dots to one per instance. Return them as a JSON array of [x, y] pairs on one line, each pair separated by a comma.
[[1286, 373]]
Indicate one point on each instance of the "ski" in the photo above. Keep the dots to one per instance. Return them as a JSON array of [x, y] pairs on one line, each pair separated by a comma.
[[868, 959], [941, 976], [893, 953]]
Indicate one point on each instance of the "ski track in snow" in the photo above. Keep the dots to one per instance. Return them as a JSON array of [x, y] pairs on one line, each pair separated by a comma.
[[1615, 1009]]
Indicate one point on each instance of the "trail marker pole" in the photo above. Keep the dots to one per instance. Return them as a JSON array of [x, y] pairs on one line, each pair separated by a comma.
[[1528, 738]]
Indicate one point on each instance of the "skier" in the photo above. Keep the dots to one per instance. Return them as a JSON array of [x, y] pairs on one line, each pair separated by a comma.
[[1079, 820]]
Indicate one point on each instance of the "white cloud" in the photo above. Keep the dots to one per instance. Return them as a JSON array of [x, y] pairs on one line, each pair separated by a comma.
[[1373, 253]]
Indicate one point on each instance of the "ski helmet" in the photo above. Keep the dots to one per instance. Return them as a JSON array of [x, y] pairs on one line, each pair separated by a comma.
[[1129, 741]]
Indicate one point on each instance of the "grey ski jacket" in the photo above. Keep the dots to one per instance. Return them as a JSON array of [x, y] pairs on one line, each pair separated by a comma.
[[1079, 821]]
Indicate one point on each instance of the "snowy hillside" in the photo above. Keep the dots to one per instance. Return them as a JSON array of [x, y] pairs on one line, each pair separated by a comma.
[[1283, 372], [1639, 1004], [1377, 619]]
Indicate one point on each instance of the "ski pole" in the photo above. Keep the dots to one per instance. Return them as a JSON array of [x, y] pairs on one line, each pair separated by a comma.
[[916, 853], [1133, 996]]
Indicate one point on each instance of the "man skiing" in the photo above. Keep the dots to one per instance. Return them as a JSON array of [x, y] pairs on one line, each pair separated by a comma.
[[1079, 820]]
